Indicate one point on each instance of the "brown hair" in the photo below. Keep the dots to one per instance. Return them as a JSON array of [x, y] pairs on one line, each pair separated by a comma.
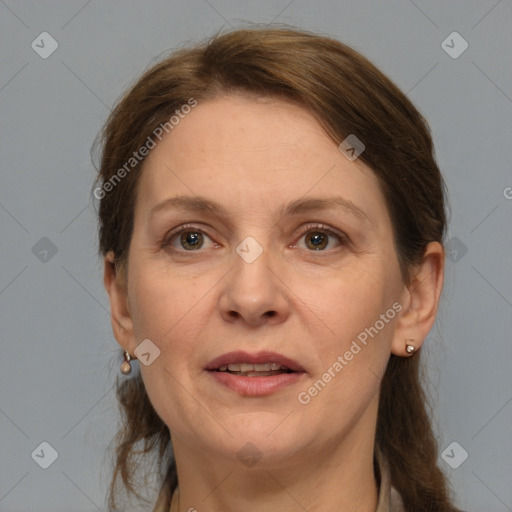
[[348, 95]]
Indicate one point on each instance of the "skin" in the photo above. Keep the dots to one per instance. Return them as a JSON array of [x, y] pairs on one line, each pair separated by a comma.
[[254, 156]]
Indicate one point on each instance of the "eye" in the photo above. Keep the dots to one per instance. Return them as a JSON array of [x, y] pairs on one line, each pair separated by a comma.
[[320, 238], [187, 239]]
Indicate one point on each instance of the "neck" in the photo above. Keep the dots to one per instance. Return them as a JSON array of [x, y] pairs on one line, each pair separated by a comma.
[[336, 479]]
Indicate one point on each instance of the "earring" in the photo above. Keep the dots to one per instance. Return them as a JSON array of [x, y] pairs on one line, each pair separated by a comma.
[[126, 367], [409, 348]]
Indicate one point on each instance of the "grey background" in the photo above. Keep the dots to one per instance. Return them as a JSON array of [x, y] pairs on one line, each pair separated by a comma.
[[58, 356]]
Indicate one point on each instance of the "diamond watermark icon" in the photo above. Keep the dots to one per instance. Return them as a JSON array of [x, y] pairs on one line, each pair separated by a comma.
[[454, 45], [249, 455], [44, 250], [454, 455], [249, 250], [352, 147], [44, 45], [45, 455], [147, 352], [455, 249]]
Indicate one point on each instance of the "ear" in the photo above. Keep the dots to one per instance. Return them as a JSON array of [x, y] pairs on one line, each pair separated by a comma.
[[420, 301], [114, 279]]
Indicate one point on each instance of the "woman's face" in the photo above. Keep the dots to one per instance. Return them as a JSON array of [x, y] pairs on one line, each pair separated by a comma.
[[255, 234]]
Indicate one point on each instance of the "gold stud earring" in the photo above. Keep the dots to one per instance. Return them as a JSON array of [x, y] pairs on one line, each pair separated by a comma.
[[410, 348], [126, 367]]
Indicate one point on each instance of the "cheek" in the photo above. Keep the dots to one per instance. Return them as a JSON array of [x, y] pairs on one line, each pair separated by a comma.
[[172, 311], [363, 318], [354, 351], [161, 302], [168, 311], [353, 300]]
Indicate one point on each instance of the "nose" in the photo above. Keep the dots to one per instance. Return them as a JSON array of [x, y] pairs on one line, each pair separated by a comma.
[[255, 293]]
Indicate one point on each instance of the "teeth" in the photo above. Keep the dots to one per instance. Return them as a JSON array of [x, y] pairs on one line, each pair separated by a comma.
[[262, 367], [246, 367]]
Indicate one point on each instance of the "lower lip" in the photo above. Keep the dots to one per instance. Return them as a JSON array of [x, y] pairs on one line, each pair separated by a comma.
[[256, 386]]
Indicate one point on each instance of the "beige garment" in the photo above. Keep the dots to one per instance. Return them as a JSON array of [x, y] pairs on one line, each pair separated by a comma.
[[389, 499]]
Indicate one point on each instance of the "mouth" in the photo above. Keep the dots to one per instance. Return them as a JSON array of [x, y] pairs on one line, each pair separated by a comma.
[[255, 370], [254, 365], [255, 374]]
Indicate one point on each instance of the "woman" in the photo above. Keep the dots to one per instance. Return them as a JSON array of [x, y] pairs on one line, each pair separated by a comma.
[[271, 220]]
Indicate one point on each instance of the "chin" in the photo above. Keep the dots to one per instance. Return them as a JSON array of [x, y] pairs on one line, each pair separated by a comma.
[[269, 441]]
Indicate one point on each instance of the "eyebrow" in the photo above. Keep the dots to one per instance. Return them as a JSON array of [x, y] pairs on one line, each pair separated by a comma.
[[297, 207], [312, 204], [189, 203]]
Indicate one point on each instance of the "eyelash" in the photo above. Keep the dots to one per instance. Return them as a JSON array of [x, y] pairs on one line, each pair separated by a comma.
[[322, 228], [312, 228]]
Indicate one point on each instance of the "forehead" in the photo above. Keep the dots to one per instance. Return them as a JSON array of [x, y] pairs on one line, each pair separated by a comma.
[[253, 153]]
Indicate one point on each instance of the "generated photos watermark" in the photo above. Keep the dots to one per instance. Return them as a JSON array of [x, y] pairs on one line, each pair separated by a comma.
[[304, 397], [137, 156]]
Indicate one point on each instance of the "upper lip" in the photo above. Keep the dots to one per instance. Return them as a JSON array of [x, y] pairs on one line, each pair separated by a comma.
[[240, 356]]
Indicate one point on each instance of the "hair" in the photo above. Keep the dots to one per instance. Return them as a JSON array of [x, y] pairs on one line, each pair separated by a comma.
[[348, 95]]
